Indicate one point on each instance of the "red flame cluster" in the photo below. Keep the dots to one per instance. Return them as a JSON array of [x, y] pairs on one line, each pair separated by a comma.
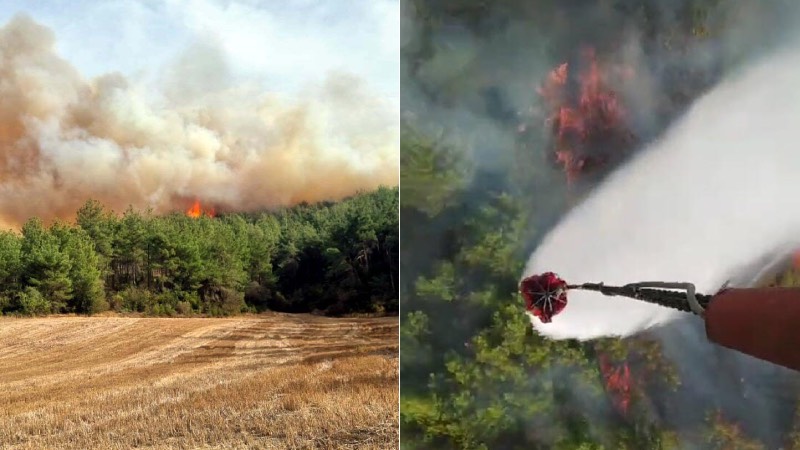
[[196, 210], [618, 383], [796, 259], [587, 120]]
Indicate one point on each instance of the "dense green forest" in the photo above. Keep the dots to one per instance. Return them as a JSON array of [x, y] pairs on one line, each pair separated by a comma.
[[480, 186], [327, 258]]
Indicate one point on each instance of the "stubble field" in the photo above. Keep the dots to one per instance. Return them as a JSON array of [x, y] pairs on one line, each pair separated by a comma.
[[277, 381]]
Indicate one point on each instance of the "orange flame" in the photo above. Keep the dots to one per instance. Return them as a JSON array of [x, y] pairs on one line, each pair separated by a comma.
[[589, 125], [197, 210], [618, 383], [796, 259]]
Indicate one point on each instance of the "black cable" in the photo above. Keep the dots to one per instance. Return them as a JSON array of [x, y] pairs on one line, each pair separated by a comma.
[[662, 297]]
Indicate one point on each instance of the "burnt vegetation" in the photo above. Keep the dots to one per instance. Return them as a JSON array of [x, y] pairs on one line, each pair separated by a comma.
[[326, 258], [545, 88]]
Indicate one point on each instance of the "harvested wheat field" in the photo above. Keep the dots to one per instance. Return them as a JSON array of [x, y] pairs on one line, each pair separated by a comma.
[[276, 381]]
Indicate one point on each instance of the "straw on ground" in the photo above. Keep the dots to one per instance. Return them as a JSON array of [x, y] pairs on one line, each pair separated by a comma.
[[276, 381]]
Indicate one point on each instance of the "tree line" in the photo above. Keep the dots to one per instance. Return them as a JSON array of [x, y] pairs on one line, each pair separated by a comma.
[[327, 258]]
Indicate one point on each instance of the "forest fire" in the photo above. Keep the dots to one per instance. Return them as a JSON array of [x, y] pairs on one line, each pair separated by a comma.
[[585, 116], [197, 210], [617, 383]]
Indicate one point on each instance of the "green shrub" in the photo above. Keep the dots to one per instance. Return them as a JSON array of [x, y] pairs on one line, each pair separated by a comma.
[[6, 303], [162, 310], [232, 302], [99, 305], [115, 302], [192, 298], [31, 302], [184, 308], [136, 300]]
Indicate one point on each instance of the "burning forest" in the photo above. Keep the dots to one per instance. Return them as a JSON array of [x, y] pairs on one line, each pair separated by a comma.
[[197, 210], [585, 116], [563, 117], [182, 182], [109, 182], [297, 259]]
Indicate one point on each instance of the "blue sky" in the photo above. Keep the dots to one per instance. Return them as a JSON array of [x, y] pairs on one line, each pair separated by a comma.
[[282, 44]]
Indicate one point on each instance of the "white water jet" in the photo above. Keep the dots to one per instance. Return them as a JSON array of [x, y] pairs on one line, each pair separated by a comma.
[[716, 192]]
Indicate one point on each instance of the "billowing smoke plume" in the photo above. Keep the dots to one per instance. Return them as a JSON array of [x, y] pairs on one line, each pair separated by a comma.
[[65, 139]]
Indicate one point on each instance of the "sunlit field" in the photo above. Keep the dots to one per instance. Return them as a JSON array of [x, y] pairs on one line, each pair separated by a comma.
[[275, 381]]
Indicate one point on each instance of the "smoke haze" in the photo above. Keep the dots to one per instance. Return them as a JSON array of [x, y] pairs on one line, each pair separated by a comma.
[[65, 138], [713, 195], [707, 195]]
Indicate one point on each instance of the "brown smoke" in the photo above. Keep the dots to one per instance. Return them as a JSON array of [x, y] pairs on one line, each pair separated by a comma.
[[64, 139]]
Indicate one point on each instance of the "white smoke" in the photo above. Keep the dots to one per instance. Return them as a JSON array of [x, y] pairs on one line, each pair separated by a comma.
[[65, 139], [713, 195]]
